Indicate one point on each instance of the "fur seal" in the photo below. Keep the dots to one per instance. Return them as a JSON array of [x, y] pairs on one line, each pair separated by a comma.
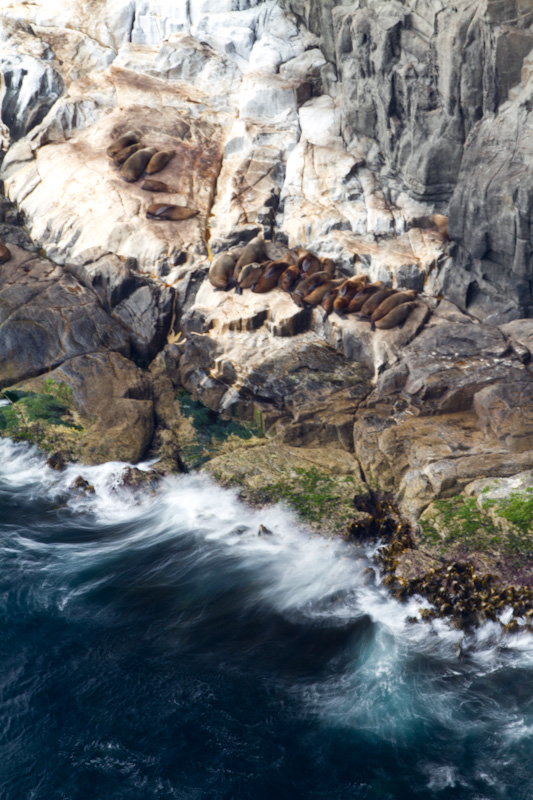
[[159, 160], [358, 301], [270, 277], [315, 297], [253, 252], [308, 285], [131, 137], [308, 263], [123, 155], [328, 265], [249, 275], [391, 302], [221, 271], [156, 186], [375, 300], [397, 316], [351, 288], [5, 253], [328, 301], [289, 278], [168, 211], [134, 166]]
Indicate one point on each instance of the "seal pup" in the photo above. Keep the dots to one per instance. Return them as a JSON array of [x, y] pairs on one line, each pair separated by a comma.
[[254, 251], [126, 152], [131, 137], [375, 300], [397, 316], [289, 278], [5, 253], [168, 211], [134, 166], [248, 277], [159, 161], [391, 302], [221, 271], [156, 186], [270, 277]]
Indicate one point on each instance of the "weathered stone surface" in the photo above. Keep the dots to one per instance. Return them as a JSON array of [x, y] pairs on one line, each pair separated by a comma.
[[339, 127], [147, 313], [47, 317], [113, 400]]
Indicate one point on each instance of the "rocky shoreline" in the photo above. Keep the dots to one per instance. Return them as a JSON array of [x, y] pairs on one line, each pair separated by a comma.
[[116, 346]]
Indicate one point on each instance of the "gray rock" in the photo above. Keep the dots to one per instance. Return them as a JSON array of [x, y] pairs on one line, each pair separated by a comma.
[[147, 313], [47, 317]]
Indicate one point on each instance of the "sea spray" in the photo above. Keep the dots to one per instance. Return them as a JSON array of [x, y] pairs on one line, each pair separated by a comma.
[[154, 645]]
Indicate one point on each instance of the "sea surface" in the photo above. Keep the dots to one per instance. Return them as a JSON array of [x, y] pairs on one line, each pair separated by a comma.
[[153, 646]]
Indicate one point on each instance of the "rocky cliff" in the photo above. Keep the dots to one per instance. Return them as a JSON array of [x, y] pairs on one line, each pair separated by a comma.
[[353, 129]]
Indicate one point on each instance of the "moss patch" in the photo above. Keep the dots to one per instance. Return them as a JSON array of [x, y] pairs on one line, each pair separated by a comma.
[[499, 526], [37, 418], [209, 432], [314, 495]]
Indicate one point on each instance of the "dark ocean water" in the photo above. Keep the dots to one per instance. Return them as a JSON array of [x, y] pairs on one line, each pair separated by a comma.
[[152, 648]]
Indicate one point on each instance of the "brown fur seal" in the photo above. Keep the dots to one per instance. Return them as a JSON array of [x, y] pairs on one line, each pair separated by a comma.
[[159, 161], [253, 252], [396, 317], [135, 165], [328, 301], [391, 302], [374, 301], [249, 275], [358, 301], [308, 263], [349, 289], [315, 297], [126, 152], [156, 186], [221, 271], [5, 253], [328, 265], [131, 137], [168, 211], [308, 285], [289, 278], [270, 277]]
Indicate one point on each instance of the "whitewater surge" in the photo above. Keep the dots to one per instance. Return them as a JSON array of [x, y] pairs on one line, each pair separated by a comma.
[[155, 645]]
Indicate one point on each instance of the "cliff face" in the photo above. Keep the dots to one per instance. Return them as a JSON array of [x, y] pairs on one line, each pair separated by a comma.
[[445, 89], [339, 127]]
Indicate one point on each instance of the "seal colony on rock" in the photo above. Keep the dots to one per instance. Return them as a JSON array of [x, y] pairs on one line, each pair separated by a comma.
[[311, 281]]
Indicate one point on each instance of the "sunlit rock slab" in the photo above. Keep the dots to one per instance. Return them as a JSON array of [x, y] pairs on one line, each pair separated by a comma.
[[75, 199]]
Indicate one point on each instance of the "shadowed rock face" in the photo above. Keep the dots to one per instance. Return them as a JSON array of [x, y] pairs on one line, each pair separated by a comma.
[[445, 91], [47, 317]]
